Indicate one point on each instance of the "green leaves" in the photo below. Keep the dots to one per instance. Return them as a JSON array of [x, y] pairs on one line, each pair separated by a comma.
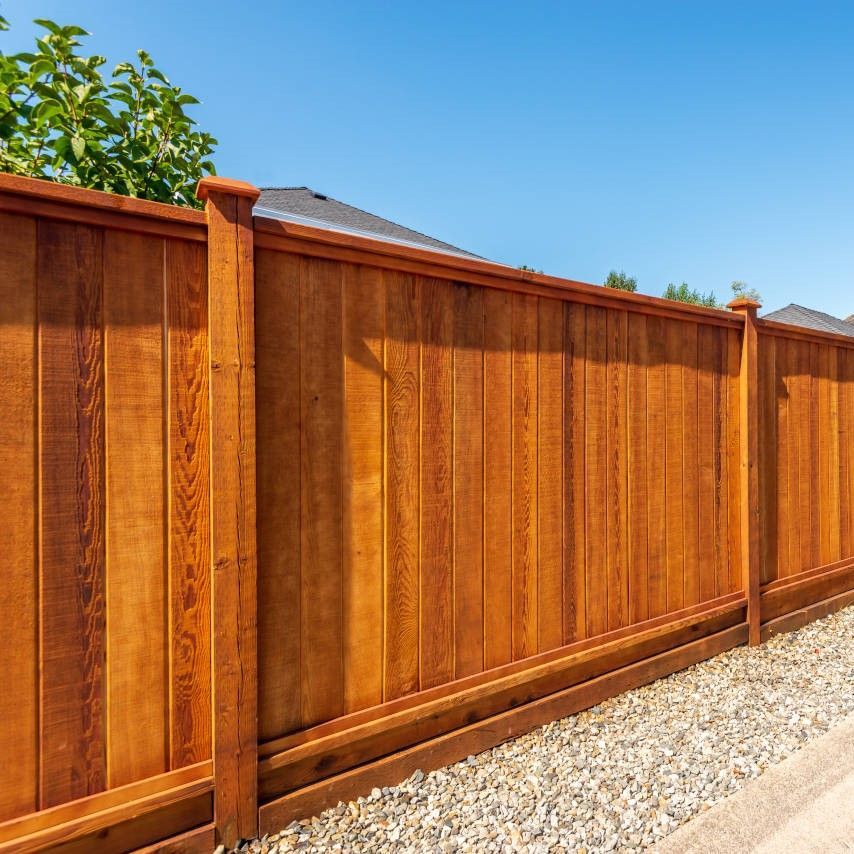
[[62, 120], [682, 293]]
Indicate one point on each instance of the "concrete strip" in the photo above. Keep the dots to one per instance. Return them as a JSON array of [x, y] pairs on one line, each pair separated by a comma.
[[805, 804]]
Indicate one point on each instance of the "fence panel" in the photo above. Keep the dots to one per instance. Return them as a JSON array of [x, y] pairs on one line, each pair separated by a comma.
[[104, 467], [460, 481], [805, 458]]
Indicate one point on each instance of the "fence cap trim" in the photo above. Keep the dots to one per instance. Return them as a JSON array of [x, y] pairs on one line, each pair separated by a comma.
[[231, 186], [744, 304]]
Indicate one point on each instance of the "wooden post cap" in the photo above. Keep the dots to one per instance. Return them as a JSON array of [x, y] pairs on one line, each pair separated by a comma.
[[229, 186], [744, 304]]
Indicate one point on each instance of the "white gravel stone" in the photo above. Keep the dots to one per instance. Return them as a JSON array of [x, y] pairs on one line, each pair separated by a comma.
[[621, 775]]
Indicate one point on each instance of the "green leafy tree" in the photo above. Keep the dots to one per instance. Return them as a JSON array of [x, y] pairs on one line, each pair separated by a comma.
[[621, 282], [529, 269], [740, 290], [61, 119], [682, 293]]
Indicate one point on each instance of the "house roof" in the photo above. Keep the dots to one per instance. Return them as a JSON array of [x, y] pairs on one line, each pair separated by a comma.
[[302, 204], [798, 315]]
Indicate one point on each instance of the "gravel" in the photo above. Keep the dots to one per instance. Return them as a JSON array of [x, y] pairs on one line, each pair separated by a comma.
[[619, 776]]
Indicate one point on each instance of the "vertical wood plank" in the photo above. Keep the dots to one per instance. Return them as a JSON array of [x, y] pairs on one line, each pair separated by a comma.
[[525, 401], [785, 402], [437, 512], [550, 488], [674, 489], [768, 392], [233, 521], [19, 705], [596, 466], [277, 349], [814, 473], [574, 456], [321, 522], [706, 461], [845, 409], [402, 394], [719, 396], [804, 418], [136, 590], [825, 499], [468, 480], [617, 470], [656, 506], [638, 356], [690, 471], [364, 334], [70, 288], [497, 477], [748, 414], [793, 384], [189, 504], [734, 462]]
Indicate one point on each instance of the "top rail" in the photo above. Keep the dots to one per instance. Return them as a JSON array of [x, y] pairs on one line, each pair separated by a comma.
[[93, 207], [803, 333], [328, 243]]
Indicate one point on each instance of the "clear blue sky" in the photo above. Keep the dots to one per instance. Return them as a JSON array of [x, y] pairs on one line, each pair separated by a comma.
[[680, 140]]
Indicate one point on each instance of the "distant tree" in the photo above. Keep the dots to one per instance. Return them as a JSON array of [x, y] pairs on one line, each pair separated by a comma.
[[740, 290], [682, 293], [63, 120], [529, 269], [621, 282]]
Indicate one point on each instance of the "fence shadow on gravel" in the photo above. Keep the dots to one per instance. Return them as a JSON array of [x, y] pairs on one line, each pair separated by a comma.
[[485, 498]]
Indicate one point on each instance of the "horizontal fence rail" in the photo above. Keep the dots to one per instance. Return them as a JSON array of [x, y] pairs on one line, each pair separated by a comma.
[[484, 498]]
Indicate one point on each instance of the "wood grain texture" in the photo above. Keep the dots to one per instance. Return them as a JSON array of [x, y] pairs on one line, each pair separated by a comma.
[[524, 583], [321, 524], [768, 390], [749, 500], [497, 478], [791, 386], [233, 517], [190, 729], [783, 462], [71, 362], [638, 480], [690, 465], [617, 471], [706, 453], [550, 485], [719, 409], [19, 706], [277, 334], [656, 505], [733, 357], [673, 462], [469, 436], [575, 461], [136, 547], [402, 440], [596, 470], [436, 597], [364, 334]]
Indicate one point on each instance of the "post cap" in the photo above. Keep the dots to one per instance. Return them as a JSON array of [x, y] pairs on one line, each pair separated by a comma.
[[743, 304], [229, 186]]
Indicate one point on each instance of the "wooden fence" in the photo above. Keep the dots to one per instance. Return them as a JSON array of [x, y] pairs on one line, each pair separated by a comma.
[[485, 499]]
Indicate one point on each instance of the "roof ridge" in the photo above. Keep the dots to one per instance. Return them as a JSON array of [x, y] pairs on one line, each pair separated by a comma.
[[399, 225]]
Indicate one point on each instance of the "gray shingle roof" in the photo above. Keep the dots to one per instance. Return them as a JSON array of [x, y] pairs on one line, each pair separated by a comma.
[[798, 315], [305, 205]]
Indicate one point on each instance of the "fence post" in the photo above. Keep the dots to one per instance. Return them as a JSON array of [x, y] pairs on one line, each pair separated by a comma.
[[231, 321], [748, 453]]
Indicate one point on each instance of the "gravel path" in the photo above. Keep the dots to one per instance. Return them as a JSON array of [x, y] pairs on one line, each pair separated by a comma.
[[619, 776]]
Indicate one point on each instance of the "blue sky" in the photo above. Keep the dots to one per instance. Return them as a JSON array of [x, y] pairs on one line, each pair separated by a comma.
[[689, 141]]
